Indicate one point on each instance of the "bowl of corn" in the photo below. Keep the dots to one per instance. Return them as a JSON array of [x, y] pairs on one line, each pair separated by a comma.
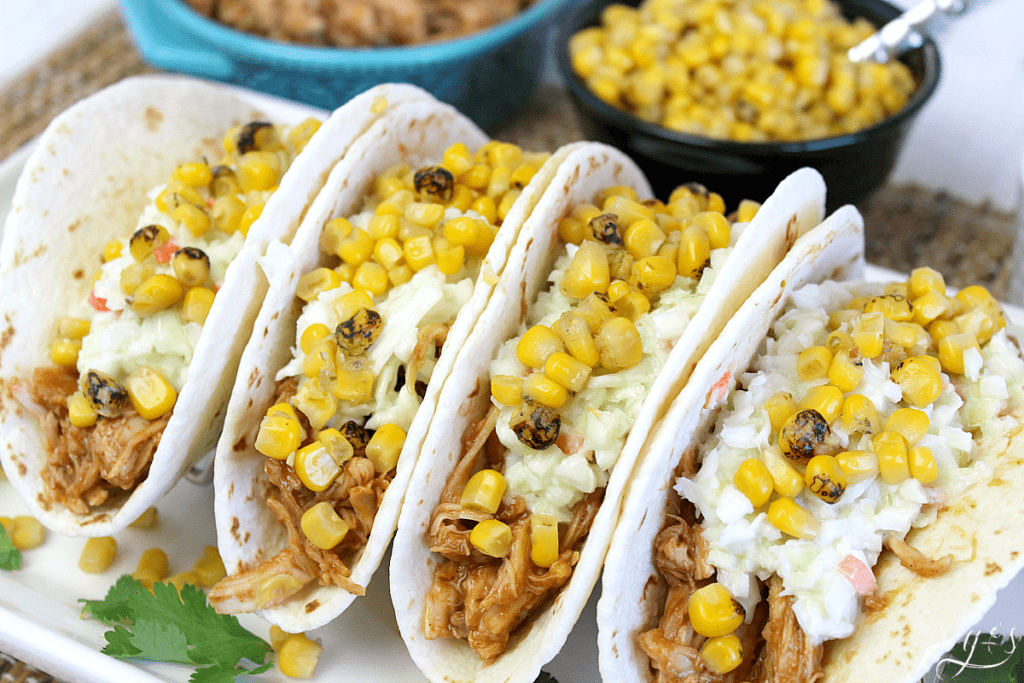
[[737, 94], [487, 75]]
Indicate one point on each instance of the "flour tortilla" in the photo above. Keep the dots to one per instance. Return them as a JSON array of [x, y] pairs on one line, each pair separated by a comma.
[[85, 184], [795, 207], [247, 531]]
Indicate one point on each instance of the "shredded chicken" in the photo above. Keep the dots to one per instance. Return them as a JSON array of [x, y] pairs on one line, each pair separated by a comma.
[[85, 464], [914, 560], [480, 598], [789, 656], [360, 23], [682, 553]]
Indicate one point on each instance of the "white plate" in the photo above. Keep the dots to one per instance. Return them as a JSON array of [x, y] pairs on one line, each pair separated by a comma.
[[39, 609]]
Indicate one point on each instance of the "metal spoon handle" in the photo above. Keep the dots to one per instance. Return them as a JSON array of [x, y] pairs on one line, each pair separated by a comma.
[[903, 33]]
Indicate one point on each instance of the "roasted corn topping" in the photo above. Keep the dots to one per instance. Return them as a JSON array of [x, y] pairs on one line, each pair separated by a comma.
[[744, 70]]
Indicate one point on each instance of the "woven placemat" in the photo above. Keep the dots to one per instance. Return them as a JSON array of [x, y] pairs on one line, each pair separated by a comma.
[[906, 226]]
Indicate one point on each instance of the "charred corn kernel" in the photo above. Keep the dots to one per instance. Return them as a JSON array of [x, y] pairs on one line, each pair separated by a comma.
[[356, 248], [134, 275], [316, 404], [952, 348], [619, 344], [633, 305], [789, 518], [191, 266], [536, 345], [920, 381], [385, 446], [713, 611], [910, 423], [857, 465], [72, 328], [747, 210], [112, 250], [97, 555], [175, 194], [450, 258], [507, 389], [786, 480], [653, 274], [595, 311], [347, 305], [147, 520], [754, 480], [80, 410], [154, 563], [250, 216], [458, 159], [540, 388], [419, 252], [780, 407], [891, 450], [643, 238], [694, 251], [839, 342], [371, 277], [257, 171], [579, 342], [722, 654], [813, 363], [925, 280], [192, 218], [273, 590], [422, 213], [922, 464], [147, 240], [209, 569], [279, 436], [322, 526], [585, 213], [567, 371], [844, 373], [355, 381], [315, 467], [825, 478], [64, 352], [226, 213], [859, 415], [157, 293], [334, 234], [491, 537], [868, 331], [382, 227], [826, 399], [224, 182], [151, 395], [572, 230], [895, 307], [399, 275], [299, 656], [27, 533], [715, 226], [312, 336], [588, 271], [543, 540], [483, 491]]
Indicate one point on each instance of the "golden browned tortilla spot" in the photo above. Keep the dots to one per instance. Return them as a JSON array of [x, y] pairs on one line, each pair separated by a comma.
[[154, 117]]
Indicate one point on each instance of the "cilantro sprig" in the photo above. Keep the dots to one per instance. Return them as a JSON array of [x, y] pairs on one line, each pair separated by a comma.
[[10, 557], [160, 627]]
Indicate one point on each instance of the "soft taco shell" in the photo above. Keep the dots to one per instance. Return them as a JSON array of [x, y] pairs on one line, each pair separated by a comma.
[[794, 208], [86, 184], [633, 590], [247, 530]]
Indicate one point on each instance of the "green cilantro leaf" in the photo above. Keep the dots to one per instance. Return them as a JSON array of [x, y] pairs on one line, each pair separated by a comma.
[[10, 557], [983, 658], [160, 626]]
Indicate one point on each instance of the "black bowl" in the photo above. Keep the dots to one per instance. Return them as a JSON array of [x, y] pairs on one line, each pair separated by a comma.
[[853, 165]]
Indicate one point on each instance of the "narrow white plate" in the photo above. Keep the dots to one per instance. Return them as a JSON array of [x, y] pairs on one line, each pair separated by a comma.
[[39, 608]]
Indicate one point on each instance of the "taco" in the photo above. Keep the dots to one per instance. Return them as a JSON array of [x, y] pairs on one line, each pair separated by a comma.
[[368, 308], [873, 426], [518, 488], [115, 381]]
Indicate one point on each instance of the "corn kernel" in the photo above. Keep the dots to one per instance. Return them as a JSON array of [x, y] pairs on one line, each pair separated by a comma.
[[722, 654], [910, 423], [925, 280], [786, 480], [491, 537], [196, 305], [868, 330], [151, 395], [694, 252], [713, 611], [322, 526], [80, 410], [72, 328], [483, 492], [827, 400], [272, 591], [789, 518], [859, 415], [355, 381], [64, 352], [813, 363], [588, 271], [450, 258], [857, 465], [951, 351], [370, 277], [536, 345], [891, 450], [619, 344], [112, 250], [315, 467], [825, 478], [567, 371], [97, 555], [147, 520], [156, 294], [299, 655], [920, 381], [543, 540], [209, 569], [347, 305], [922, 464], [754, 480], [780, 408], [27, 533], [507, 390], [279, 436], [653, 274], [579, 342], [715, 226], [385, 446], [316, 404], [419, 252]]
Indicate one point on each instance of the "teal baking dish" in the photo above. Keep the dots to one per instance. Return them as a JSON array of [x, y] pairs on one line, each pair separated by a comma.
[[487, 75]]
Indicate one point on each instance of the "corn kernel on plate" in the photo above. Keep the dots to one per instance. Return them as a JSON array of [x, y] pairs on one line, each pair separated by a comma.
[[798, 477], [163, 180]]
